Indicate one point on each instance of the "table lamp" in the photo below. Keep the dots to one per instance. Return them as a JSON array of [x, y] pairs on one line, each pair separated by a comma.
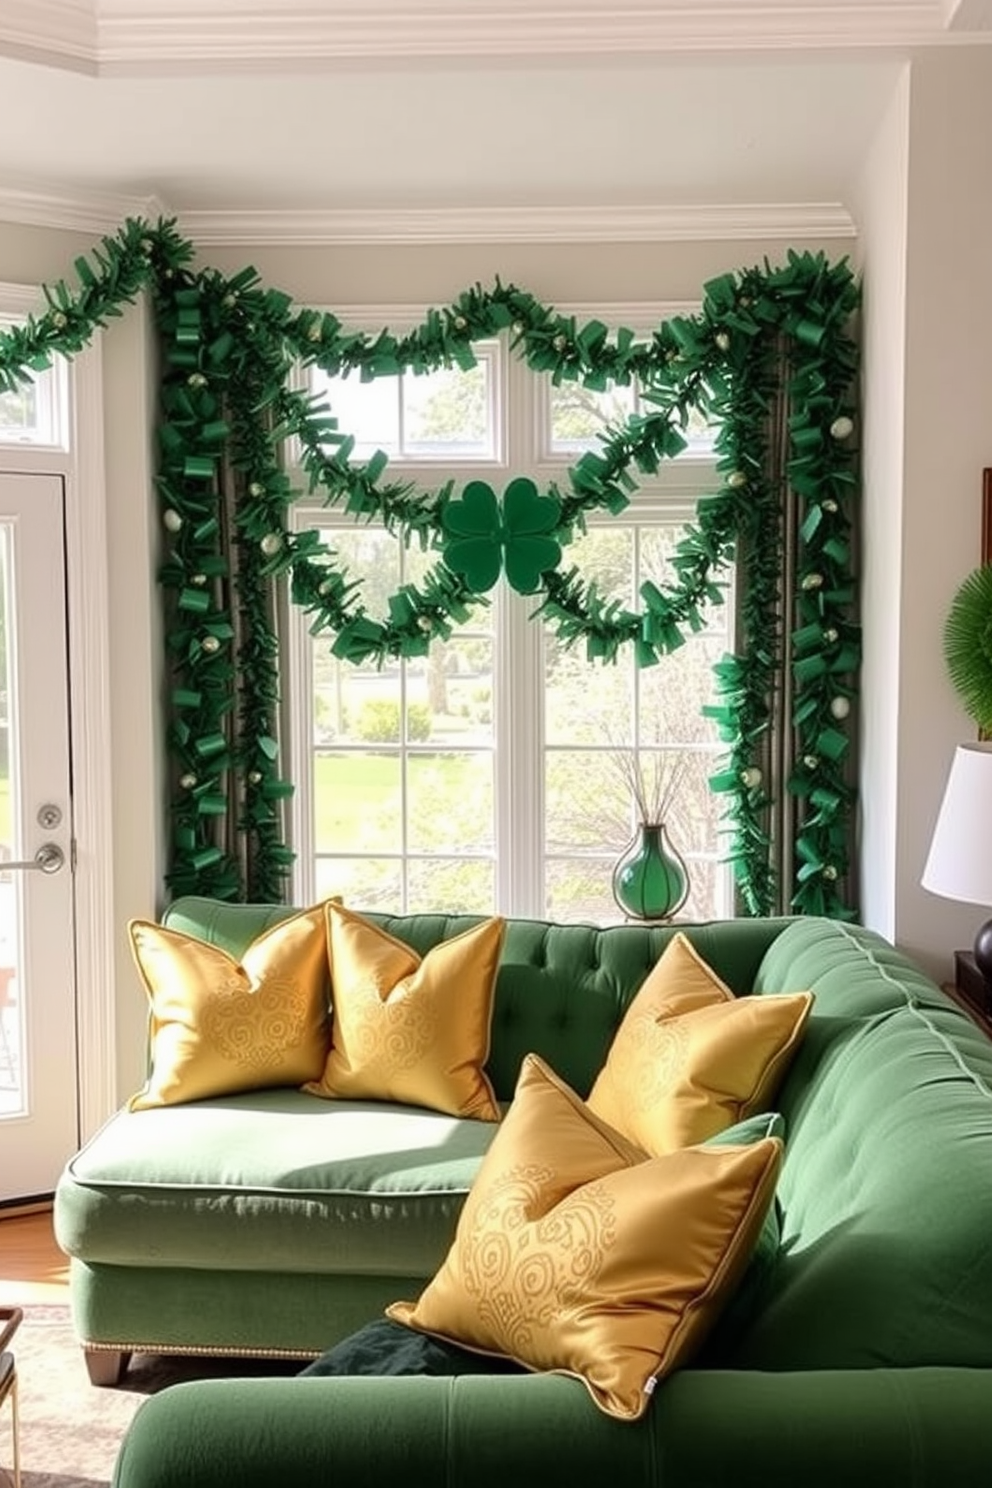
[[960, 862]]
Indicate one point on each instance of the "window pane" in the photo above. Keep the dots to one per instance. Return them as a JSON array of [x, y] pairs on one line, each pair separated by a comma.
[[442, 415], [460, 678], [585, 802], [446, 414], [19, 411], [363, 883], [357, 802], [616, 738], [657, 545], [693, 817], [709, 898], [451, 802], [580, 417], [370, 411], [33, 413], [672, 695], [456, 885], [699, 433], [402, 755], [585, 702], [579, 889]]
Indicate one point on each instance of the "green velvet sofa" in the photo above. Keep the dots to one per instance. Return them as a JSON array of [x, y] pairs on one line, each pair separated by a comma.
[[277, 1224]]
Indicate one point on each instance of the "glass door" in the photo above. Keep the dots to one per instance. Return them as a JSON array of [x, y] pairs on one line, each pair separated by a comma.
[[38, 1076]]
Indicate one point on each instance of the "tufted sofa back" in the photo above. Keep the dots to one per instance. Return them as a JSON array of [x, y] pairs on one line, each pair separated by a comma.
[[886, 1189], [561, 989]]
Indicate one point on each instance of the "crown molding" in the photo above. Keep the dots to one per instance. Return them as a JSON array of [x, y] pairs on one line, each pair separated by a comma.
[[632, 224], [95, 213], [101, 213], [59, 33], [391, 31], [163, 37]]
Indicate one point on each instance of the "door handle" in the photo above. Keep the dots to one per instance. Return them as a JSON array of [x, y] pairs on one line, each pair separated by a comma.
[[49, 859]]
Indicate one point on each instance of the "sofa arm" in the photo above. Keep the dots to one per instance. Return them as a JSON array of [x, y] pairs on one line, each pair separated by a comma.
[[705, 1429]]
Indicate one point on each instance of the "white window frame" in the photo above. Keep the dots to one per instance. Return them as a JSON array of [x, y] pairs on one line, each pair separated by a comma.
[[517, 639], [52, 390]]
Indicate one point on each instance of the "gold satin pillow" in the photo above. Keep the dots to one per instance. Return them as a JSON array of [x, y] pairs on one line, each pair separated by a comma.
[[575, 1253], [219, 1026], [690, 1059], [409, 1029]]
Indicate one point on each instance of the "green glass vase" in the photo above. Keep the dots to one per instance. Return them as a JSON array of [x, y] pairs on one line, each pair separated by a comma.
[[650, 881]]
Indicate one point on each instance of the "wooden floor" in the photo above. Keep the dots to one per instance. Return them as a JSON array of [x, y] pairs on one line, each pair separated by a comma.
[[32, 1268]]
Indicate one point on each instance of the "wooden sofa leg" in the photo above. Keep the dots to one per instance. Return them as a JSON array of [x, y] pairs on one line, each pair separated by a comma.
[[105, 1366]]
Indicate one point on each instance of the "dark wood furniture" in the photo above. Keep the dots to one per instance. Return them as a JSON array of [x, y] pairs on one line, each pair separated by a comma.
[[970, 990], [10, 1317]]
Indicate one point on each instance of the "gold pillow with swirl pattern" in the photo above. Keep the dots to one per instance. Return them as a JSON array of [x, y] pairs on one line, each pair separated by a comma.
[[575, 1253], [219, 1026], [409, 1029], [690, 1059]]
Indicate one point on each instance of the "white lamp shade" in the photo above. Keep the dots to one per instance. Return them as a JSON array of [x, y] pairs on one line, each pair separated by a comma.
[[960, 862]]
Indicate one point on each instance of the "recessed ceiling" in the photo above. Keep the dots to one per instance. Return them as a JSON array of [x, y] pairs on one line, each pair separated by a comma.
[[217, 108]]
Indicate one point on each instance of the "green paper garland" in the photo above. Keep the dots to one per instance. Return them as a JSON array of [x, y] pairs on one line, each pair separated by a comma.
[[226, 401]]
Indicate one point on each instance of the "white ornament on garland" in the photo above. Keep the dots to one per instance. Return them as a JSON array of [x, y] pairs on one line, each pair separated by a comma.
[[840, 707], [842, 428], [172, 520], [270, 544]]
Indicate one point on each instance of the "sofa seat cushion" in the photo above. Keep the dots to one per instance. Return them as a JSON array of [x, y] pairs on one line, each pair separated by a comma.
[[278, 1180]]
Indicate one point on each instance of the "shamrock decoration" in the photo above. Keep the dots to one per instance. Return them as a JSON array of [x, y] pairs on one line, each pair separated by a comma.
[[481, 539]]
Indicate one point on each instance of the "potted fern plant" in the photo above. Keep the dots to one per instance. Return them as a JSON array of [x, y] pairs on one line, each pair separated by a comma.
[[968, 646]]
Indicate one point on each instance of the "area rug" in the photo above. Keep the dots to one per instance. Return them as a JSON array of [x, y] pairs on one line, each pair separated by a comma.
[[71, 1430]]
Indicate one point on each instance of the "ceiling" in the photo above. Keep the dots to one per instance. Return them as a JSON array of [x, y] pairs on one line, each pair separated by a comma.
[[226, 111]]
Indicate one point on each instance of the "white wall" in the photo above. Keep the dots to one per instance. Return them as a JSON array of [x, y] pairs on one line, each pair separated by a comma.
[[880, 209], [557, 273], [948, 441], [136, 668]]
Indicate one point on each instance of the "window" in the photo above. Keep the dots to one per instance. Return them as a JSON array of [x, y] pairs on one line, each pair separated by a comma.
[[493, 774], [34, 414], [449, 414]]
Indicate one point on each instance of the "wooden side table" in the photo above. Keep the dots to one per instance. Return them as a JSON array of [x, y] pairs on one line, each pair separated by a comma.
[[970, 990], [11, 1319]]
